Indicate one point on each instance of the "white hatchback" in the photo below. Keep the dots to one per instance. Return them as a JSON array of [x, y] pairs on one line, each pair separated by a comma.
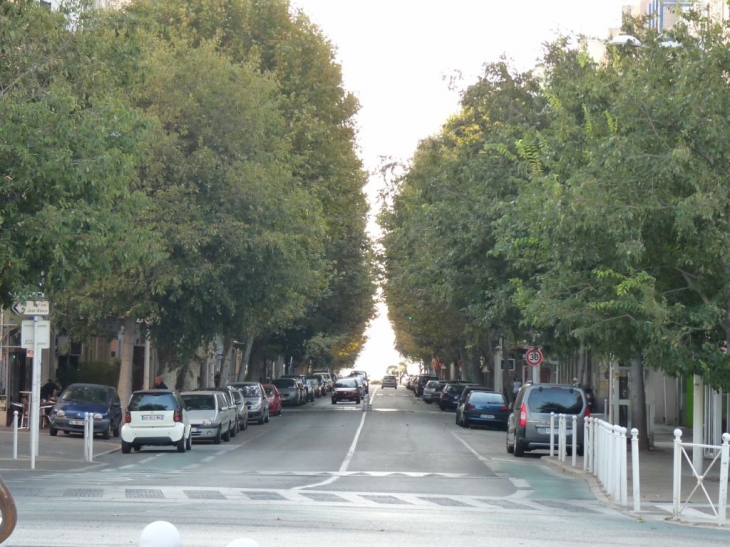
[[156, 417]]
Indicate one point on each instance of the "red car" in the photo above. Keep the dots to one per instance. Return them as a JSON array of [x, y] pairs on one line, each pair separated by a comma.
[[346, 389], [274, 398]]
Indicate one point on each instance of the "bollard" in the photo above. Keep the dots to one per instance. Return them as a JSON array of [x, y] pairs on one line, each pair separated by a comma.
[[623, 483], [635, 469], [552, 434], [724, 455], [574, 448], [88, 437], [676, 491], [160, 534], [586, 444], [15, 434], [365, 402]]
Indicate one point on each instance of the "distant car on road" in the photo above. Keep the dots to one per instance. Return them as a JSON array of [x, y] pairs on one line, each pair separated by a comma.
[[486, 408], [346, 389], [156, 417], [389, 381], [102, 402]]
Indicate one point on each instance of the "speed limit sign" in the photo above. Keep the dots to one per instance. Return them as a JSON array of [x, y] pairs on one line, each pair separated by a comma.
[[533, 356]]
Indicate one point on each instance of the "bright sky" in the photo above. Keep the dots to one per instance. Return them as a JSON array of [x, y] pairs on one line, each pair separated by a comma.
[[397, 57]]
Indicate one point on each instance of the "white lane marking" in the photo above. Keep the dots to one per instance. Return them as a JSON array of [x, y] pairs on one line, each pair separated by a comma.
[[348, 457], [470, 449]]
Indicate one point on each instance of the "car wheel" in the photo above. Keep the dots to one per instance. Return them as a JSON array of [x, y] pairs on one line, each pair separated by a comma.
[[235, 428], [245, 424], [217, 438], [53, 431], [357, 401], [267, 417], [334, 402], [510, 448], [227, 435], [518, 448], [279, 413], [189, 443], [107, 434], [261, 420], [137, 447], [181, 444], [465, 422], [126, 447]]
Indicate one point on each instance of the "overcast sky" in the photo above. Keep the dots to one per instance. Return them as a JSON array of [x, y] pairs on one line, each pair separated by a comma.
[[398, 56]]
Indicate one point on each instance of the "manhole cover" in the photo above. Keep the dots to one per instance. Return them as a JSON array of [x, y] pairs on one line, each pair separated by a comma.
[[566, 506], [324, 497], [389, 500], [504, 504], [83, 493], [144, 493], [30, 492], [204, 494], [446, 502], [264, 496]]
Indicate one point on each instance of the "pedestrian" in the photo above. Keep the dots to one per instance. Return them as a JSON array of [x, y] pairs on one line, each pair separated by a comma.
[[159, 384], [575, 382], [48, 390], [516, 385]]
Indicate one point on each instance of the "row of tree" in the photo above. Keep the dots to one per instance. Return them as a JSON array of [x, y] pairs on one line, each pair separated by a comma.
[[189, 165], [583, 204]]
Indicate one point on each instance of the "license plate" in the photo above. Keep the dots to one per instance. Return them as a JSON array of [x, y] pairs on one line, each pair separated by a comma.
[[195, 430], [546, 431], [76, 422], [487, 416], [152, 417]]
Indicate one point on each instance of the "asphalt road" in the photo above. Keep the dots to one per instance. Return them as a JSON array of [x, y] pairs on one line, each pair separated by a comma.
[[402, 474]]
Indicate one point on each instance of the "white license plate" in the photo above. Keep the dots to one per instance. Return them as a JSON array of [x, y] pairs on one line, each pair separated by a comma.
[[195, 430], [556, 431], [76, 422], [152, 417], [487, 416]]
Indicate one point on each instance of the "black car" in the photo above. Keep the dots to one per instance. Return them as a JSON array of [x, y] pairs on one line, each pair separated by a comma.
[[451, 393], [102, 402]]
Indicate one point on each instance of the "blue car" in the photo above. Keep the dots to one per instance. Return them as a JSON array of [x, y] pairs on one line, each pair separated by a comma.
[[102, 402], [485, 408], [450, 394]]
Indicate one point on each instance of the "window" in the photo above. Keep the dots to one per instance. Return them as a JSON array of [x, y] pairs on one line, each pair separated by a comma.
[[199, 402], [152, 401], [558, 400]]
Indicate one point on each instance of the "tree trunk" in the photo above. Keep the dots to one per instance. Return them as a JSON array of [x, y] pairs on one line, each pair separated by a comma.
[[638, 402], [257, 365], [224, 378], [125, 370], [244, 361]]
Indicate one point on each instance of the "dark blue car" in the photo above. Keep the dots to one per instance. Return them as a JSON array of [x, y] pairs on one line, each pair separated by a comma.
[[102, 402], [485, 408], [449, 399]]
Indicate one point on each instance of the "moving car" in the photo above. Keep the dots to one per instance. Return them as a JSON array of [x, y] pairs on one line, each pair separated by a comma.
[[486, 408], [209, 414], [102, 402], [274, 398], [346, 389], [256, 401], [156, 417], [528, 425], [389, 381]]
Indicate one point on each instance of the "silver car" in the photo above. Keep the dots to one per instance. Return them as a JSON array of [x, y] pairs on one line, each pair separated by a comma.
[[432, 391], [528, 425], [242, 409], [210, 416]]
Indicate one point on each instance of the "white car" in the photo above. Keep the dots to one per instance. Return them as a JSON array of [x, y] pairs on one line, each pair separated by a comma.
[[210, 416], [156, 417]]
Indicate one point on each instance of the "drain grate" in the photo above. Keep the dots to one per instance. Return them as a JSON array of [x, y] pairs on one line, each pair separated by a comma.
[[23, 491], [83, 493], [446, 502], [323, 497], [204, 494], [145, 493], [504, 504], [566, 506], [264, 496], [388, 500]]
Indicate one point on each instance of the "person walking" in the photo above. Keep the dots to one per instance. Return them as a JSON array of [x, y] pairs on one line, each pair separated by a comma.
[[159, 384], [516, 385]]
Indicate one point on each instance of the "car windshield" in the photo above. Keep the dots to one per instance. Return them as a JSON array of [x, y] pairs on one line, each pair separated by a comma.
[[284, 383], [251, 391], [346, 383], [152, 401], [199, 402], [561, 400], [432, 384], [85, 394], [486, 397]]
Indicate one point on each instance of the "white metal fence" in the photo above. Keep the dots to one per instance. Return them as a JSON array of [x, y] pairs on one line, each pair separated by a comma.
[[723, 454]]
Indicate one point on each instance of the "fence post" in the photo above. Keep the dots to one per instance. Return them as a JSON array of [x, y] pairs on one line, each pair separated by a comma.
[[561, 438], [574, 452], [587, 444], [552, 434], [635, 469], [722, 504], [624, 474], [15, 434], [677, 484]]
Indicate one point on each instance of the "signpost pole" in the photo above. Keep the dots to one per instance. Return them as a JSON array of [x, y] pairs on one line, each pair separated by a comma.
[[35, 403]]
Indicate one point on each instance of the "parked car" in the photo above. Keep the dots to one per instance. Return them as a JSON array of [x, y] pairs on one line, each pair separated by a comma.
[[528, 425], [320, 385], [228, 394], [328, 376], [274, 398], [302, 384], [313, 392], [241, 409], [462, 400], [346, 389], [486, 408], [102, 402], [327, 382], [289, 390], [449, 398], [363, 378], [432, 391], [256, 401], [389, 381], [423, 379], [209, 414], [156, 417]]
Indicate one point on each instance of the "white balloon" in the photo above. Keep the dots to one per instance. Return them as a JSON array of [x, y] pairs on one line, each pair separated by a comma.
[[243, 542], [160, 534]]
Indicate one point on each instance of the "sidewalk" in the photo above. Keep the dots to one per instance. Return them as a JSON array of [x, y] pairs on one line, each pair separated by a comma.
[[60, 453], [656, 481]]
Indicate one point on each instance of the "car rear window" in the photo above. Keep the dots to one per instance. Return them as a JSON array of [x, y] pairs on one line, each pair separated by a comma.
[[199, 402], [284, 383], [454, 389], [486, 397], [85, 394], [152, 401], [346, 383], [561, 400], [269, 390], [237, 397]]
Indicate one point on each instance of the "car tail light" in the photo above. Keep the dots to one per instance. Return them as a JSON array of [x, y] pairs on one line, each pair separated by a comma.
[[504, 407], [444, 396], [177, 417], [523, 415], [127, 417], [470, 406]]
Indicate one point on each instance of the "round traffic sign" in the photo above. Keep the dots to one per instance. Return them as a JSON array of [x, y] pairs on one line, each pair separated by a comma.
[[533, 356]]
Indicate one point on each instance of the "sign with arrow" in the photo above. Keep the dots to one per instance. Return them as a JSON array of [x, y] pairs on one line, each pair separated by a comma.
[[31, 307]]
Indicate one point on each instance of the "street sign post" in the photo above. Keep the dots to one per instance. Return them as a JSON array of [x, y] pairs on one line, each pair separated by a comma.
[[533, 357], [35, 335]]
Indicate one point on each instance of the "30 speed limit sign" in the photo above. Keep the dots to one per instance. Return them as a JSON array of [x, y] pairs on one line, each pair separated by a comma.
[[533, 356]]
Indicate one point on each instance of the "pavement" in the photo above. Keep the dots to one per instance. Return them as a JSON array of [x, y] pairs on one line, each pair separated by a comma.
[[65, 453], [699, 499]]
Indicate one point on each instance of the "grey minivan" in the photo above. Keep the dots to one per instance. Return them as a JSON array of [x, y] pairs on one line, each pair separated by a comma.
[[528, 425]]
